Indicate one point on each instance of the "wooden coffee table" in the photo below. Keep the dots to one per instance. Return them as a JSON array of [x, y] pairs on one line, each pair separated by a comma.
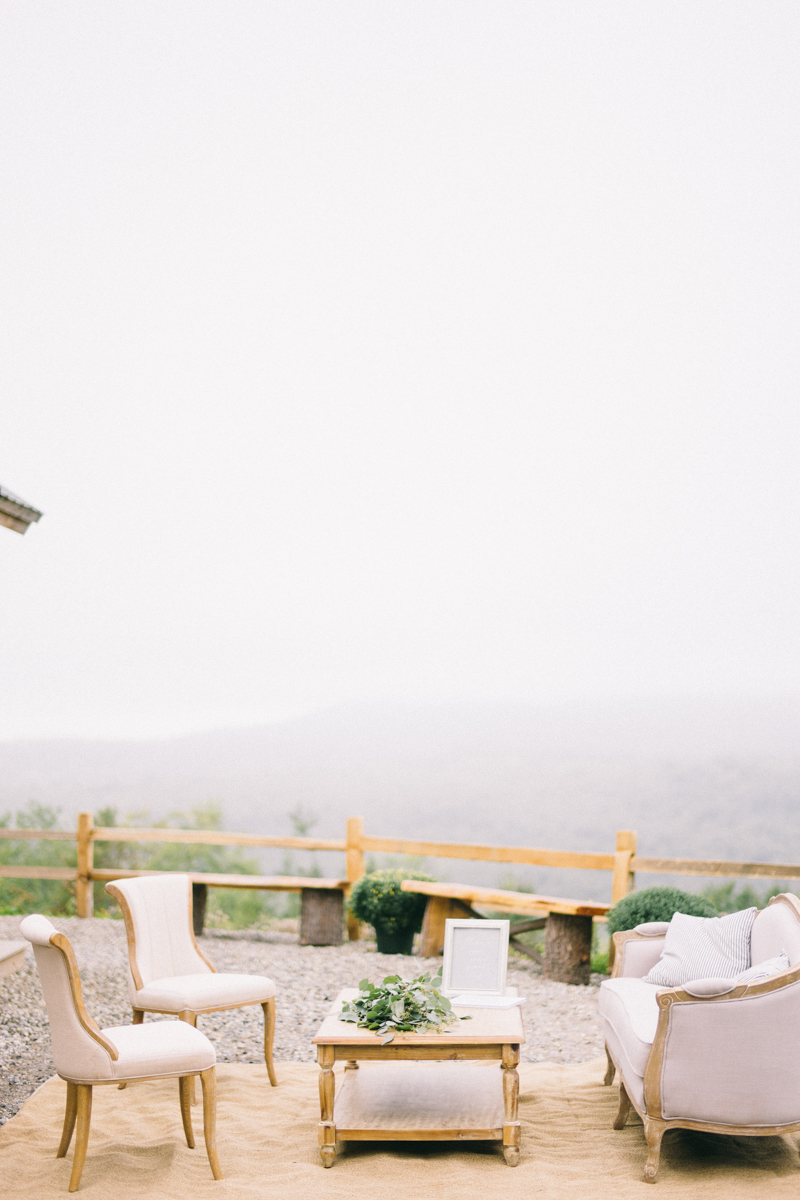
[[422, 1087]]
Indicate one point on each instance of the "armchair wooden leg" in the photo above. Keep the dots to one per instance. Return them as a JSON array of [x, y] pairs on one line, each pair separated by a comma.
[[191, 1019], [69, 1119], [138, 1017], [624, 1107], [209, 1081], [186, 1110], [84, 1116], [611, 1070], [269, 1036], [653, 1132]]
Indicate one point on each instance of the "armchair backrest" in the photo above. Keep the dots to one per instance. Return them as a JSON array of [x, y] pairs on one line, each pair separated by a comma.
[[776, 928], [80, 1052], [158, 920]]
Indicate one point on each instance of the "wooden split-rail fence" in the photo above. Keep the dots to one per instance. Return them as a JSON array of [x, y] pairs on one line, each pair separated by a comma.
[[567, 923]]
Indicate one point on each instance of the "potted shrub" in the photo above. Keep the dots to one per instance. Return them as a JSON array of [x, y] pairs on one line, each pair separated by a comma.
[[394, 915]]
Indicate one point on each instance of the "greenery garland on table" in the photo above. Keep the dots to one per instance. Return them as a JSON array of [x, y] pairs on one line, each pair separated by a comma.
[[400, 1006]]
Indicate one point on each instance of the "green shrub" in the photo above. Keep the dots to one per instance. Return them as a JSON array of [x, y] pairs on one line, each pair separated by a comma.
[[656, 904], [726, 899], [377, 899], [19, 895]]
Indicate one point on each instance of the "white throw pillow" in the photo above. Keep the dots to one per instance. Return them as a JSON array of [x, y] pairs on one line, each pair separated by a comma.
[[701, 947], [765, 969]]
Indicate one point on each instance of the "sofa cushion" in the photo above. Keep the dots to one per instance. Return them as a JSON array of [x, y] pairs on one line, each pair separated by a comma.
[[702, 947], [765, 969], [776, 928], [629, 1008]]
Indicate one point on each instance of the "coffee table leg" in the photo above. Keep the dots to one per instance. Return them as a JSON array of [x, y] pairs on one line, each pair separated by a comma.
[[510, 1104], [327, 1086]]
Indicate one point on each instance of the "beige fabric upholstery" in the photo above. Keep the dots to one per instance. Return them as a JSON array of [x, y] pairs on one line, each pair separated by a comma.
[[629, 1008], [76, 1054], [734, 1062], [716, 985], [652, 928], [775, 929], [634, 1083], [714, 1053], [640, 955], [160, 1048], [175, 977], [197, 993], [159, 907]]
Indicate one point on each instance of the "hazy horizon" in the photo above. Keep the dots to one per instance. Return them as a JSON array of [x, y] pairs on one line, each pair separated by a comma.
[[434, 354]]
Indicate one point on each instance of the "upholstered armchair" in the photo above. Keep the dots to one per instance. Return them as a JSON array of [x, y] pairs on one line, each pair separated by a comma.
[[711, 1054], [167, 973], [86, 1055]]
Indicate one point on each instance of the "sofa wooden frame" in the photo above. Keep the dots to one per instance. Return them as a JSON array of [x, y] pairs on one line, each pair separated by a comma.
[[655, 1126]]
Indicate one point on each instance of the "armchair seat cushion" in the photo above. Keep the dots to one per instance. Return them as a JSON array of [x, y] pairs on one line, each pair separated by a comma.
[[629, 1008], [200, 993], [159, 1048]]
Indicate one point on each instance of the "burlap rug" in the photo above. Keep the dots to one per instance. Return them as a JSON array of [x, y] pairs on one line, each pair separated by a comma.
[[267, 1143]]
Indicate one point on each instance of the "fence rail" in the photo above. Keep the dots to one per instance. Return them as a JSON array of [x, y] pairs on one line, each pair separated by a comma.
[[205, 837], [623, 862]]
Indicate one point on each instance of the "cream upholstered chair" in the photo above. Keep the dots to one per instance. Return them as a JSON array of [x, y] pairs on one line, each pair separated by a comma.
[[85, 1055], [711, 1054], [167, 972]]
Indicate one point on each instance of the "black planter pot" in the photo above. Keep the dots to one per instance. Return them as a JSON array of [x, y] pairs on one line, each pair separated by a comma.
[[394, 941]]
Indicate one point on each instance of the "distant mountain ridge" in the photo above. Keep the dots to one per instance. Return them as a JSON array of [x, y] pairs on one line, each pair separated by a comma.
[[700, 779]]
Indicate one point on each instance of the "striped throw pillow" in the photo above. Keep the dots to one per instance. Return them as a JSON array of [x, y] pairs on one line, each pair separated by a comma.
[[702, 947], [765, 969]]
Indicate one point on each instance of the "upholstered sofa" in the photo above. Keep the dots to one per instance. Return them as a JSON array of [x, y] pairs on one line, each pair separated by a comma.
[[710, 1054]]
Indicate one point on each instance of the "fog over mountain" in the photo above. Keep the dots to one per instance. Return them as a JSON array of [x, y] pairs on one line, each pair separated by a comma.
[[700, 779]]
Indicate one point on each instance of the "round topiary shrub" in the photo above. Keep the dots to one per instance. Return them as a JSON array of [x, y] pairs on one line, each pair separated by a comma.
[[656, 904], [395, 915]]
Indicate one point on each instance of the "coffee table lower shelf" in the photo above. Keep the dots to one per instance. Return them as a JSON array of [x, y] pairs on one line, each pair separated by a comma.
[[419, 1101]]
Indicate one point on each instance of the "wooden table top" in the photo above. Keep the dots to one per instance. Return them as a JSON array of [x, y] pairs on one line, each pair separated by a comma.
[[486, 1026]]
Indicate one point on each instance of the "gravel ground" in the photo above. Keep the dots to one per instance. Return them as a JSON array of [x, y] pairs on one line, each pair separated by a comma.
[[562, 1023]]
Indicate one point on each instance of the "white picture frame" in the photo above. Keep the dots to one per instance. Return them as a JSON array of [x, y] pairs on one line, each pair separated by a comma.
[[475, 957]]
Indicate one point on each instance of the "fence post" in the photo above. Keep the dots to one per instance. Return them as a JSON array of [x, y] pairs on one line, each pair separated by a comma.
[[355, 868], [623, 880], [83, 889]]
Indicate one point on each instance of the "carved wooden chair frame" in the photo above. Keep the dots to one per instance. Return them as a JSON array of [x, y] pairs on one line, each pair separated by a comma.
[[188, 1015], [79, 1095]]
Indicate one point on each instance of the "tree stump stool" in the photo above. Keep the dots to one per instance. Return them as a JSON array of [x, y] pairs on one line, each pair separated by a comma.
[[568, 948], [321, 916]]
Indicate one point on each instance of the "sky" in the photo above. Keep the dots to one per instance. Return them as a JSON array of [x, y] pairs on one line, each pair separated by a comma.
[[432, 351]]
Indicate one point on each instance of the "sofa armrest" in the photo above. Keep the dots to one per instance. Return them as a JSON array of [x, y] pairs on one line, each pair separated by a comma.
[[635, 953], [727, 1057]]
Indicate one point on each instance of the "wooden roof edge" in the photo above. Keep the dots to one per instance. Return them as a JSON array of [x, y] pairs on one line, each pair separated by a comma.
[[15, 512]]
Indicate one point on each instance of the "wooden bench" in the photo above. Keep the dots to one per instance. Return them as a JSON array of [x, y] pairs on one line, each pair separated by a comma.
[[12, 956], [567, 923], [321, 900]]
